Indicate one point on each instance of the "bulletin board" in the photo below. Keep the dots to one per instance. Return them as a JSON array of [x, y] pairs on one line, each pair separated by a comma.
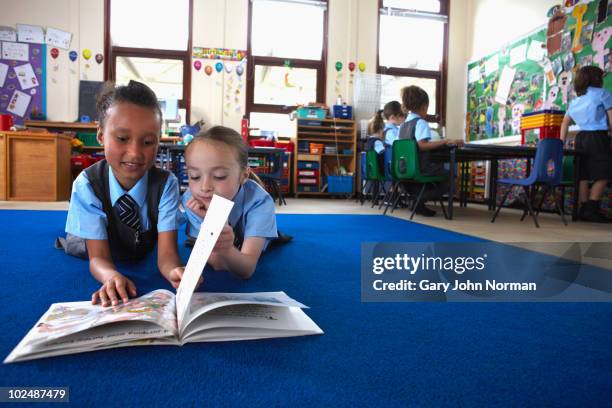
[[23, 81], [523, 76]]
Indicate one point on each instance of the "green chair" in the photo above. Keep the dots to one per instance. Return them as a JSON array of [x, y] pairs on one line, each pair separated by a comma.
[[405, 169], [375, 179], [567, 180]]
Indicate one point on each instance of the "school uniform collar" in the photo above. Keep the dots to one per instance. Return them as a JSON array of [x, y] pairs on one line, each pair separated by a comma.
[[391, 126], [138, 192], [238, 200], [412, 115]]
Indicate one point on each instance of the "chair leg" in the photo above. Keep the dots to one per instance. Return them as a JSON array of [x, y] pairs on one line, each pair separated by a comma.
[[559, 207], [444, 208], [280, 193], [546, 188], [418, 201], [386, 201], [364, 191], [375, 193], [398, 197], [529, 207], [388, 194], [530, 196], [503, 201]]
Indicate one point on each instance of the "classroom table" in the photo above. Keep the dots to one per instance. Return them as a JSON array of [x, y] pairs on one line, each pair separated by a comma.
[[492, 153]]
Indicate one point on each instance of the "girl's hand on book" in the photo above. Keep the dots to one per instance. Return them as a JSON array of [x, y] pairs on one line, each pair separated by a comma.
[[197, 207], [225, 241], [176, 275], [114, 289]]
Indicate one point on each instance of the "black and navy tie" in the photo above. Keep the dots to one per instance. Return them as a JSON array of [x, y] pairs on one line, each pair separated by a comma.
[[127, 208]]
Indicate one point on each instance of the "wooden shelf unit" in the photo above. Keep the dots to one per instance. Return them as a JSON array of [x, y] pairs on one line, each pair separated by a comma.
[[308, 168]]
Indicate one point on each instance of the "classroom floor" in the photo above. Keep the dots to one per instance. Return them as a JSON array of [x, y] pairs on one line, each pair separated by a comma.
[[472, 220]]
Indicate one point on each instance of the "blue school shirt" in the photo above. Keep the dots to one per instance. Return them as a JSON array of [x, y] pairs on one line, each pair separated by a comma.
[[253, 214], [422, 131], [391, 133], [589, 111], [86, 218]]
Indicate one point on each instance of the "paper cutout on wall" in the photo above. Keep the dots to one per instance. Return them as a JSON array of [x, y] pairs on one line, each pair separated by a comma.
[[517, 112], [26, 77], [30, 34], [501, 118], [505, 83], [19, 103], [578, 14], [8, 34], [554, 33], [600, 40], [15, 51], [553, 92], [536, 51], [58, 38], [565, 83], [3, 72]]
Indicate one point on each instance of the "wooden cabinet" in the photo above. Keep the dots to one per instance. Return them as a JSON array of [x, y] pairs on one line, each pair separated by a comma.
[[36, 166], [2, 167], [325, 147]]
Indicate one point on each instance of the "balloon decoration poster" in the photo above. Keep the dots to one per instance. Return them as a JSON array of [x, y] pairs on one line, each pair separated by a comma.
[[22, 80]]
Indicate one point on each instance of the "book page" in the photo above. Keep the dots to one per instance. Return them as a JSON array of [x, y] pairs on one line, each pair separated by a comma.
[[65, 319], [249, 321], [204, 302], [216, 217]]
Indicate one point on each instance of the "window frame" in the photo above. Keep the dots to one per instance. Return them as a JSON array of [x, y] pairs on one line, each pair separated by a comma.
[[112, 52], [252, 61], [440, 76]]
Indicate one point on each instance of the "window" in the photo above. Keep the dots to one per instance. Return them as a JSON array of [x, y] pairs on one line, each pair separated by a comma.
[[403, 62], [285, 70], [157, 53]]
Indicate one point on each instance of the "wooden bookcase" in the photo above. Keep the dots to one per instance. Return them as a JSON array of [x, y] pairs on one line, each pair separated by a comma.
[[337, 140]]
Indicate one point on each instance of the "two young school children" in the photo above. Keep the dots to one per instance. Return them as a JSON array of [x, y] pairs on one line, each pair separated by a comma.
[[592, 112], [121, 206]]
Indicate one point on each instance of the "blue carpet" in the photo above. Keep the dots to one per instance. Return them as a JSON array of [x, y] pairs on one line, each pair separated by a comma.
[[372, 354]]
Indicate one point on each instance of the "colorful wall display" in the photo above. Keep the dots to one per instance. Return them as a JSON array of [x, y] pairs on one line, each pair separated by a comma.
[[218, 53], [23, 80], [536, 71]]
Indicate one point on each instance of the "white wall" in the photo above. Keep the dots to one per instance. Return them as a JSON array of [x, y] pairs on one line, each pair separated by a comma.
[[492, 23], [83, 18]]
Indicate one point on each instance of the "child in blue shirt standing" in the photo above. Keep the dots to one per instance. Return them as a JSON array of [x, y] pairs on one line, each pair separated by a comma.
[[217, 164], [592, 112], [121, 206]]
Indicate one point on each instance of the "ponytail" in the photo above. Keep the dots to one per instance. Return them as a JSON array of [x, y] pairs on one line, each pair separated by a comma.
[[377, 123]]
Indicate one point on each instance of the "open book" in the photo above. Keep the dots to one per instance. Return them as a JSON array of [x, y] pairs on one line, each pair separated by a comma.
[[163, 318]]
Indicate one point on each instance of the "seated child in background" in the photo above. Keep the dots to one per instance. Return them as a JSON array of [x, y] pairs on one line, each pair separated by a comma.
[[393, 114], [121, 206], [416, 101], [217, 164], [592, 112], [381, 134]]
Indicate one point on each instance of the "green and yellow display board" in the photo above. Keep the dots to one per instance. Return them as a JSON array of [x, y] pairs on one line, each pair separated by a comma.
[[525, 76]]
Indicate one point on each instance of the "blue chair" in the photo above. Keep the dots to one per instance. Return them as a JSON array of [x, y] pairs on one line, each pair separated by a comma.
[[274, 177], [546, 172]]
